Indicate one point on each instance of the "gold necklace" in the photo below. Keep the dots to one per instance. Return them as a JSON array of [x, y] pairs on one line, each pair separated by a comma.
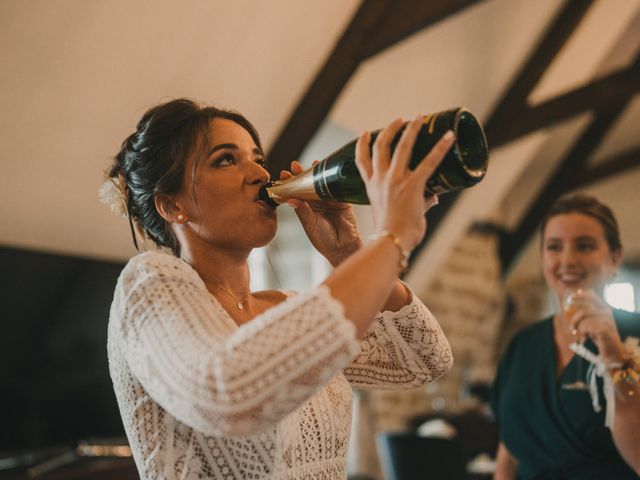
[[239, 304]]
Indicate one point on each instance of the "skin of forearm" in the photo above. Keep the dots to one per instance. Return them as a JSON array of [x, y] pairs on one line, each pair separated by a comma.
[[365, 281], [399, 296], [626, 423]]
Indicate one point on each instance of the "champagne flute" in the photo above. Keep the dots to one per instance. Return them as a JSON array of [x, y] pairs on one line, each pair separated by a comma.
[[572, 302]]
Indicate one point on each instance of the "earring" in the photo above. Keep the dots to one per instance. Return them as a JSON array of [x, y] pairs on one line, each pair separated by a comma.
[[180, 217]]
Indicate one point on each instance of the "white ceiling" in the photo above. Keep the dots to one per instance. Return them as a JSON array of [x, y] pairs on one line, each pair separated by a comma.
[[77, 75]]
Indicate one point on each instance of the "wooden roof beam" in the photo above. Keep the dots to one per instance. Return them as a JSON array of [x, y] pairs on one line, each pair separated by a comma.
[[607, 168], [596, 95], [512, 104], [327, 85]]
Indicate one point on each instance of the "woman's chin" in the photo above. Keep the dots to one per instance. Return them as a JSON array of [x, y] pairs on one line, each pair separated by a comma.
[[574, 285], [266, 237], [584, 285]]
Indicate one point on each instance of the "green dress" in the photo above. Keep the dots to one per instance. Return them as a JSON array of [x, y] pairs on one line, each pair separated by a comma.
[[553, 432]]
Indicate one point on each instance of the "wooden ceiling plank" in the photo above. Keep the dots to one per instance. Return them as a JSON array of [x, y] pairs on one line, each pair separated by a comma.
[[561, 181]]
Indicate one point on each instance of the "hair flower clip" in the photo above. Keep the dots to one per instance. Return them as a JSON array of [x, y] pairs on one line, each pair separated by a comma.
[[112, 194]]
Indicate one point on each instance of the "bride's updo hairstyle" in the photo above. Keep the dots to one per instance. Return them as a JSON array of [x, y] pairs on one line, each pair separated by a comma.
[[152, 161]]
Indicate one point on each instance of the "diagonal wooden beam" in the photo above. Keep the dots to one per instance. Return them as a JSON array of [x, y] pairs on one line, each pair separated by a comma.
[[327, 85], [571, 166], [512, 104], [609, 167], [377, 25], [598, 94]]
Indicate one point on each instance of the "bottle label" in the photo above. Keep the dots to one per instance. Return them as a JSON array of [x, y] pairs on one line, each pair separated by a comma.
[[320, 181]]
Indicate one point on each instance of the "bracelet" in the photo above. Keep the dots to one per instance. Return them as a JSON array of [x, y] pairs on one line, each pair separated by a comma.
[[404, 254]]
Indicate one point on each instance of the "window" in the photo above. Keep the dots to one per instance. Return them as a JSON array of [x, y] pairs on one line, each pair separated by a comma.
[[620, 295]]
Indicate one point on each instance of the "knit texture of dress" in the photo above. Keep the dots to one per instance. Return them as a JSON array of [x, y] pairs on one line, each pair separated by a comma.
[[201, 397]]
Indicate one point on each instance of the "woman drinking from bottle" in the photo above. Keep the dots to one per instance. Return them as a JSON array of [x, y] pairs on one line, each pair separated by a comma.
[[543, 398], [216, 381]]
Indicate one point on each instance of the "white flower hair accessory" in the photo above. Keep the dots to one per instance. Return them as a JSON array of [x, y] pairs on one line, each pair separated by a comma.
[[112, 194]]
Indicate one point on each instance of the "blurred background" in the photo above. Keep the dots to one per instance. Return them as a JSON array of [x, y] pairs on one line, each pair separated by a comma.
[[554, 82]]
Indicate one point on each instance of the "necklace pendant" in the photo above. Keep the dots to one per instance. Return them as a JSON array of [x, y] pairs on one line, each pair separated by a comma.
[[240, 307]]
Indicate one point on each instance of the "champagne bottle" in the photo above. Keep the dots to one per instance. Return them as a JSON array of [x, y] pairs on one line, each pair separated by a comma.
[[337, 176]]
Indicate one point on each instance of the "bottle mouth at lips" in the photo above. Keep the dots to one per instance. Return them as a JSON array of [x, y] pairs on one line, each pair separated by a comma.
[[263, 194], [306, 186]]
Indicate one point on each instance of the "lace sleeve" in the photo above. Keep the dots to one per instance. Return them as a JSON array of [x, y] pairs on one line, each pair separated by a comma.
[[403, 349], [211, 375]]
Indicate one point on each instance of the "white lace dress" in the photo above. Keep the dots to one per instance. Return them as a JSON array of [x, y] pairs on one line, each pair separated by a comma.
[[201, 397]]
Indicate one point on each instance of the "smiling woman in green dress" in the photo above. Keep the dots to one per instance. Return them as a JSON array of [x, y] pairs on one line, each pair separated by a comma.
[[547, 431]]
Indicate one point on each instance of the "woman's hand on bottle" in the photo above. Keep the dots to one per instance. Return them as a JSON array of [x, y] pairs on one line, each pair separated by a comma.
[[396, 192], [330, 226], [597, 323]]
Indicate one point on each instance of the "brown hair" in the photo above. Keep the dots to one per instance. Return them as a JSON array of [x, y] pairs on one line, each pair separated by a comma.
[[590, 206], [152, 160]]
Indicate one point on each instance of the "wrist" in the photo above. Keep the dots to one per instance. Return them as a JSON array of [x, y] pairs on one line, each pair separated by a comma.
[[404, 253], [342, 254]]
